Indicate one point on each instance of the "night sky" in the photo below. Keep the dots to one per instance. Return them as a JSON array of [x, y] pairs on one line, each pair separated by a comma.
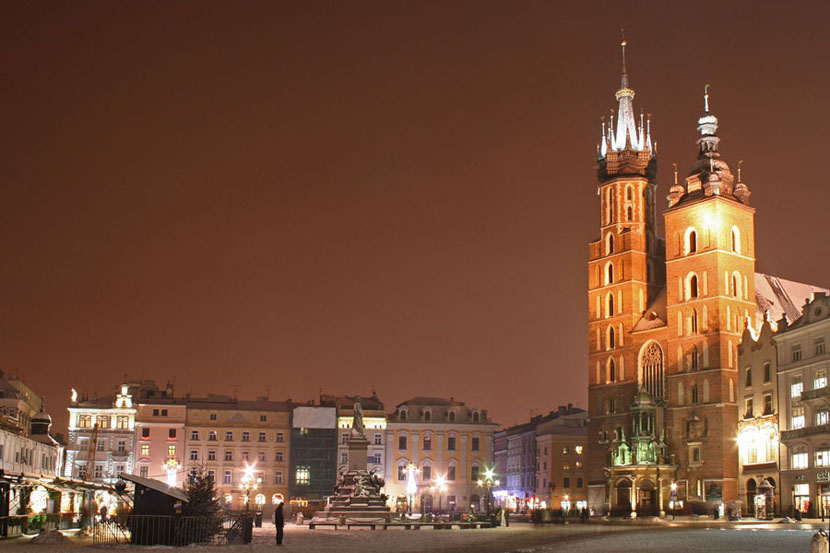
[[290, 197]]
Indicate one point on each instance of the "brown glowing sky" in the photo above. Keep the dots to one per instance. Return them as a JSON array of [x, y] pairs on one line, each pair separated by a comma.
[[342, 195]]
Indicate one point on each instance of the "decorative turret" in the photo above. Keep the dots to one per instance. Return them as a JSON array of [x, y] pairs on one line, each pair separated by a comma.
[[626, 148], [709, 175]]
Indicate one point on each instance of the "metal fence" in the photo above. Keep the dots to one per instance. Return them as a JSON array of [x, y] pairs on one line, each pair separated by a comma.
[[234, 528]]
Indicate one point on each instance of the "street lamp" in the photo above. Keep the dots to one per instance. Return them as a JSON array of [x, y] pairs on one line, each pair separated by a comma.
[[248, 483], [488, 482], [673, 498], [440, 486], [411, 485]]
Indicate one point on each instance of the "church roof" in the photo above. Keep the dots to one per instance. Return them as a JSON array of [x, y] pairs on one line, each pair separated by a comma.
[[782, 297], [655, 315]]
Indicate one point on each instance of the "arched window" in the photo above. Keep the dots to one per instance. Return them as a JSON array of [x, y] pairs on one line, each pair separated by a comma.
[[651, 369], [736, 239], [427, 446], [629, 213], [403, 415], [427, 415], [609, 244], [629, 193], [452, 416], [691, 241], [691, 287], [609, 305], [612, 371], [695, 398], [694, 358], [609, 273], [694, 320], [611, 338], [475, 417]]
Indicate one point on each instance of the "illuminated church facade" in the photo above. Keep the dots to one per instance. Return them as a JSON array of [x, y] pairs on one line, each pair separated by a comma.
[[666, 316]]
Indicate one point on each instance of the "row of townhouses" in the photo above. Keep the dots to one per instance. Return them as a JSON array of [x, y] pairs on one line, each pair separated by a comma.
[[263, 451], [784, 427]]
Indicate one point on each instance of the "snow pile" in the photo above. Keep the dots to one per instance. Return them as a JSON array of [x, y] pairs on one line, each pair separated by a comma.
[[47, 536]]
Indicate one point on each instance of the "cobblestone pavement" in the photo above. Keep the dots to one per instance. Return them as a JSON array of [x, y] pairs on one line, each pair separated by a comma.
[[519, 538]]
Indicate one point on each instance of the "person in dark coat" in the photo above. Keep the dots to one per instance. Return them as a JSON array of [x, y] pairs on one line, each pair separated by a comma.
[[279, 521]]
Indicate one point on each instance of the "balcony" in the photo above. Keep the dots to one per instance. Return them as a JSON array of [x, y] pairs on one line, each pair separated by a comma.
[[820, 396], [805, 432]]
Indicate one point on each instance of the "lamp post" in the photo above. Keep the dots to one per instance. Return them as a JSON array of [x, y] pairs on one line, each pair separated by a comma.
[[673, 498], [411, 485], [488, 482], [248, 483], [440, 487]]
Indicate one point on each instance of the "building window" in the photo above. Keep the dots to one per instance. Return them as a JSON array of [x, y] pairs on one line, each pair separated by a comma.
[[303, 476], [401, 473], [145, 432], [261, 436], [611, 338], [194, 435], [344, 438], [612, 405], [566, 450], [579, 483], [566, 465], [246, 456], [451, 473], [427, 416], [121, 448], [101, 445], [736, 240], [228, 455], [800, 460], [475, 471], [378, 439], [795, 352], [171, 433], [609, 244], [228, 436], [691, 287], [451, 416], [99, 471], [819, 346], [142, 471], [748, 377], [246, 436], [402, 443], [344, 457], [609, 273], [155, 412], [403, 415], [103, 421], [212, 436], [280, 437], [767, 373], [427, 443], [577, 449], [228, 477], [822, 418], [695, 397], [278, 456], [691, 241], [213, 416], [84, 421], [451, 443], [260, 456], [171, 451], [609, 305], [566, 482], [767, 404], [212, 455], [145, 449], [426, 473], [749, 413], [278, 477], [376, 459], [122, 422], [212, 475], [821, 379], [263, 418], [797, 418], [796, 387], [823, 458], [475, 443], [194, 455], [695, 455]]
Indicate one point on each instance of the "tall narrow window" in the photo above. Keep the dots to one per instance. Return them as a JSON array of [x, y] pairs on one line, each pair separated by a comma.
[[611, 340], [609, 306], [630, 214], [651, 370], [612, 371], [609, 244], [748, 377], [693, 292], [694, 320], [609, 273], [629, 195], [691, 241], [736, 240]]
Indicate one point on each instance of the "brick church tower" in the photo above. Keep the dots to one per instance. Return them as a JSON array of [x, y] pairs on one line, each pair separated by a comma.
[[665, 319], [710, 270]]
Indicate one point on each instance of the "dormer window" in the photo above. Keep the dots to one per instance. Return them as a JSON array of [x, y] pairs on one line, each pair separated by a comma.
[[427, 415], [402, 415]]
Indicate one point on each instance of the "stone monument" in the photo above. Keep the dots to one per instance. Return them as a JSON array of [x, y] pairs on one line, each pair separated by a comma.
[[357, 493]]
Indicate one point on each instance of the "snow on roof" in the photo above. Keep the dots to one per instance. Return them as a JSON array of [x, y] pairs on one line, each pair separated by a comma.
[[782, 297], [177, 493]]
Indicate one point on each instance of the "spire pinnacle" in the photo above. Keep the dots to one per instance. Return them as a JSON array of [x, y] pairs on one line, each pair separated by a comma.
[[675, 172], [623, 43], [706, 98], [739, 169]]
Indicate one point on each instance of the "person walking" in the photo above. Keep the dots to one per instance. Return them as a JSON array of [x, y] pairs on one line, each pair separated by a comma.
[[279, 521]]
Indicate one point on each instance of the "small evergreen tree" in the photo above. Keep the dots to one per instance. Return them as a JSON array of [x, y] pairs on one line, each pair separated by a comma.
[[201, 492]]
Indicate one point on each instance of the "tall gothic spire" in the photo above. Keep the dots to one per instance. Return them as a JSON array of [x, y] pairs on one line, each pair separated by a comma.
[[626, 134]]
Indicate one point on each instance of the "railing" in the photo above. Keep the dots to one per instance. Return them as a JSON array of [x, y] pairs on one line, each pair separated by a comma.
[[234, 528]]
